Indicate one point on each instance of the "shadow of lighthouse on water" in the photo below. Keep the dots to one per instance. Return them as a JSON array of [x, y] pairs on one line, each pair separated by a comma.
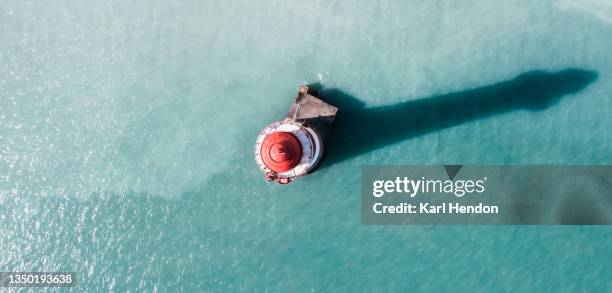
[[359, 129]]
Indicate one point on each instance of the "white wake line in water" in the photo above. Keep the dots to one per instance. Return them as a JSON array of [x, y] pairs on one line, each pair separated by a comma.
[[601, 9]]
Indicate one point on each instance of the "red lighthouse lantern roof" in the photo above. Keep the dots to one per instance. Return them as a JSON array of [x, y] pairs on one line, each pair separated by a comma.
[[281, 151]]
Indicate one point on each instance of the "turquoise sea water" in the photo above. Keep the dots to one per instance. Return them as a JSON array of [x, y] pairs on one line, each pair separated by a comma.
[[127, 127]]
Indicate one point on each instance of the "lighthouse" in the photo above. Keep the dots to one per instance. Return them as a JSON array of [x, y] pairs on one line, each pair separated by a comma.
[[294, 146]]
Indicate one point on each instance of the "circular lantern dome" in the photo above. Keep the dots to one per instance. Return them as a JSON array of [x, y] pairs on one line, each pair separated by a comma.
[[281, 151]]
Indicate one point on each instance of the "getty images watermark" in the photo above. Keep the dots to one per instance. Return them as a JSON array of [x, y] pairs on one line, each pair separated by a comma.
[[413, 187], [392, 195]]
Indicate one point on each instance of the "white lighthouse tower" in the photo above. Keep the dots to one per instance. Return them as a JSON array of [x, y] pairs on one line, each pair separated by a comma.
[[294, 146]]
